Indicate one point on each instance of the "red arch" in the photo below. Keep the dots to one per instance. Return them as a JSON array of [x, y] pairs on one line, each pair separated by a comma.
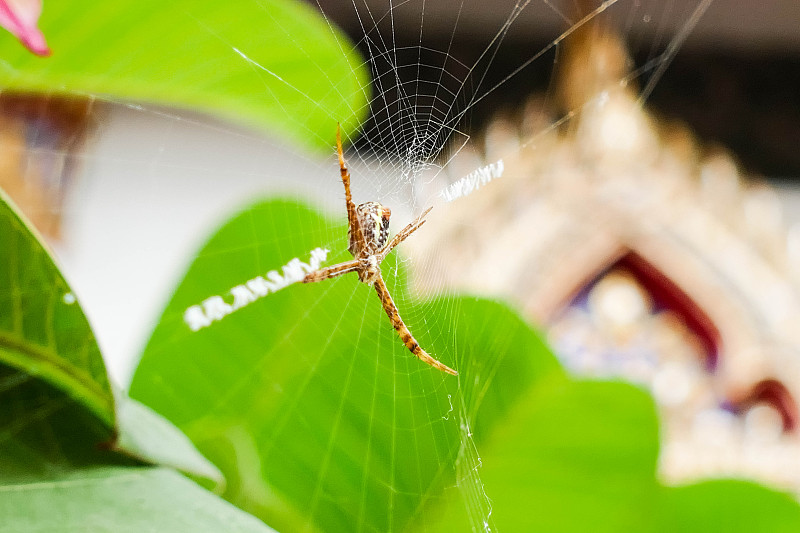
[[670, 296], [775, 394]]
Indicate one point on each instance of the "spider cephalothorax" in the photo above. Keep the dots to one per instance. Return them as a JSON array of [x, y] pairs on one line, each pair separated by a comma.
[[368, 241]]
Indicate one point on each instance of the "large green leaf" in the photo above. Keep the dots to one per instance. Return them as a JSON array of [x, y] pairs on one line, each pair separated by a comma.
[[55, 475], [117, 499], [273, 63], [581, 456], [307, 400], [44, 334], [44, 432], [572, 457], [143, 434], [723, 506], [43, 330], [321, 420], [57, 468]]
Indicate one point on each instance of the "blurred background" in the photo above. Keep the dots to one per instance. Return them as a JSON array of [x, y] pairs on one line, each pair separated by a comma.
[[655, 240]]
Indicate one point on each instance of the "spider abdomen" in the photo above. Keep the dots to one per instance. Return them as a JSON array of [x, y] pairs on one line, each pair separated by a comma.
[[374, 220]]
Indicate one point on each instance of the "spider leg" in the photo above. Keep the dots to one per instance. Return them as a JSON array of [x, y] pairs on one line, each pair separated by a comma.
[[408, 339], [404, 233], [331, 271], [353, 224]]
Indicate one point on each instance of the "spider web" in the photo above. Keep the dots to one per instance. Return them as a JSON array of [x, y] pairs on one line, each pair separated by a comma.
[[156, 182]]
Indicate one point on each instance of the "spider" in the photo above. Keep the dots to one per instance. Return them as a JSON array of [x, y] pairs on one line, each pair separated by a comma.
[[369, 244]]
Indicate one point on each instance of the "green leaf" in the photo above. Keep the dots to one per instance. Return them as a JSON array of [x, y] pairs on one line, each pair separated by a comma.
[[121, 499], [581, 456], [145, 435], [42, 328], [57, 469], [44, 432], [571, 456], [55, 475], [320, 419], [307, 400], [274, 64], [725, 506]]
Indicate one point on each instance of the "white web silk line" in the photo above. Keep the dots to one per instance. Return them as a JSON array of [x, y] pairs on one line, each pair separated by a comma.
[[472, 181], [216, 308]]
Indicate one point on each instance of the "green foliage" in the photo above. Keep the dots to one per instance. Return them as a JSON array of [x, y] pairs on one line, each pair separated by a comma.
[[58, 467], [318, 416], [301, 75], [119, 499], [143, 434], [306, 399], [321, 420], [573, 457], [722, 506], [43, 331]]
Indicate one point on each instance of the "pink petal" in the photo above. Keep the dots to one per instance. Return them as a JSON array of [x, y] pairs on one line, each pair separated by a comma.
[[20, 18]]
